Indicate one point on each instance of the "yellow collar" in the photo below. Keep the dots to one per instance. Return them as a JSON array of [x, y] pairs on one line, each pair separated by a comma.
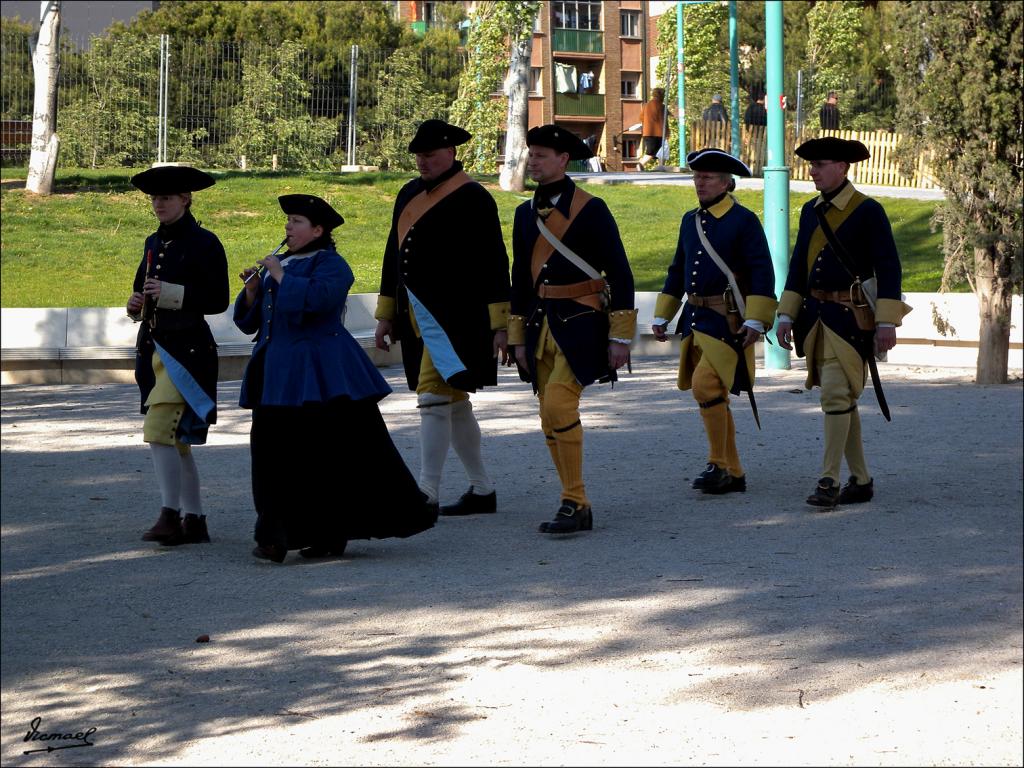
[[719, 209], [841, 200]]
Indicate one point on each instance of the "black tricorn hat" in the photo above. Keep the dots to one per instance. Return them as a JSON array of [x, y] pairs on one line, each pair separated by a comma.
[[831, 148], [317, 210], [560, 140], [172, 180], [434, 134], [716, 161]]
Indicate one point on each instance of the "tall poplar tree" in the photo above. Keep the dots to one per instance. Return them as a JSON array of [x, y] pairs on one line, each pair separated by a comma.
[[959, 81]]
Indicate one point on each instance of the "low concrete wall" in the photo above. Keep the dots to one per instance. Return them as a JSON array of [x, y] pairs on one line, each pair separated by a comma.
[[95, 345]]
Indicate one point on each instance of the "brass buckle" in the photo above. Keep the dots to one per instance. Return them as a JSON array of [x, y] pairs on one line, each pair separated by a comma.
[[859, 292]]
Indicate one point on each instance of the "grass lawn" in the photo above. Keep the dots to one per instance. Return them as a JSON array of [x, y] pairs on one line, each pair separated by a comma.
[[80, 247]]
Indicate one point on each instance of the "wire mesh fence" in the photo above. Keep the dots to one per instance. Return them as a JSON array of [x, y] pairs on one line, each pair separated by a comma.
[[227, 104]]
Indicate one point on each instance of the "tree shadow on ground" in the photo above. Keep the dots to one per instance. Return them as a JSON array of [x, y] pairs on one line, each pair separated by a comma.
[[99, 628]]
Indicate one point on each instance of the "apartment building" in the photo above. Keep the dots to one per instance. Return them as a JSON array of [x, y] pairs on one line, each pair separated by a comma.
[[591, 69]]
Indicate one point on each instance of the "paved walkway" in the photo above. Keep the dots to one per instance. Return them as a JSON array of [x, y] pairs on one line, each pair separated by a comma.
[[685, 629]]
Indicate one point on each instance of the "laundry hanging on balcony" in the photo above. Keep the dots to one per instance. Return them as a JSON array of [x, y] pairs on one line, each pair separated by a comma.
[[565, 78], [586, 82]]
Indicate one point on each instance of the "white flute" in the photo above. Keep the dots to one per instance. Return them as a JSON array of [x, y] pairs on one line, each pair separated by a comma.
[[260, 269]]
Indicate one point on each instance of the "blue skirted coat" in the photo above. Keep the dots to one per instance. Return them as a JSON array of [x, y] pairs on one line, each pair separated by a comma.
[[303, 352]]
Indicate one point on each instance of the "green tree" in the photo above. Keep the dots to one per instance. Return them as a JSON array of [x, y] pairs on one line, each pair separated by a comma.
[[441, 49], [405, 100], [481, 107], [17, 92], [833, 37], [269, 119], [114, 122], [959, 80]]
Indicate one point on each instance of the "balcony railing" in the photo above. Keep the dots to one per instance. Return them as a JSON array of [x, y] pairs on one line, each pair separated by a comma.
[[579, 104], [577, 40]]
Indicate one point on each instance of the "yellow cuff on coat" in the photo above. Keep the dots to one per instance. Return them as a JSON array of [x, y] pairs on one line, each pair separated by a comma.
[[761, 308], [499, 315], [891, 311], [516, 330], [622, 323], [666, 306], [791, 304], [171, 296], [385, 308]]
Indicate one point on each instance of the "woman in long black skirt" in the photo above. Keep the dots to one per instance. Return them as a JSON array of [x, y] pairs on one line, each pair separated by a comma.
[[317, 434]]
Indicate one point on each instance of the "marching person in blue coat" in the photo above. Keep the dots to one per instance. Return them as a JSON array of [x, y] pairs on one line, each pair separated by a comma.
[[317, 431], [444, 290], [183, 275], [843, 246], [724, 313], [572, 317]]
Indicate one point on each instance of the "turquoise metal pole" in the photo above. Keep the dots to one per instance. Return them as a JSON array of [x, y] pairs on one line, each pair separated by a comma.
[[680, 90], [776, 172], [734, 78]]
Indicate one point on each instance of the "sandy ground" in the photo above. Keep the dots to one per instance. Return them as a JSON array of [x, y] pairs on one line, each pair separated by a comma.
[[685, 629]]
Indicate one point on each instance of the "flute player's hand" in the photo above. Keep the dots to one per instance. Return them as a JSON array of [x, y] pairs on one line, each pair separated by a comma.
[[252, 287]]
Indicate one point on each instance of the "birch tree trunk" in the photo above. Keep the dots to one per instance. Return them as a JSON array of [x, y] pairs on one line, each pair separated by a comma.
[[995, 300], [42, 164], [517, 88]]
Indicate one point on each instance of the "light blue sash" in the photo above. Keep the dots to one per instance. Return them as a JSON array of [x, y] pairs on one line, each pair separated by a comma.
[[442, 353], [189, 388]]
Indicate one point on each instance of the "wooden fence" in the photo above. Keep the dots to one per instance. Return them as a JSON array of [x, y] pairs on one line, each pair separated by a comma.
[[881, 168]]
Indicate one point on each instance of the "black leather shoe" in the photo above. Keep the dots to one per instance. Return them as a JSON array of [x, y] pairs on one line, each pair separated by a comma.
[[193, 529], [335, 550], [471, 504], [854, 493], [825, 495], [720, 481], [709, 470], [570, 519], [273, 552]]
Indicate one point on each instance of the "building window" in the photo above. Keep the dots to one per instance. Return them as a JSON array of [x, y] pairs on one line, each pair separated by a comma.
[[630, 24], [502, 138], [630, 85], [577, 14], [536, 73], [629, 148], [428, 13]]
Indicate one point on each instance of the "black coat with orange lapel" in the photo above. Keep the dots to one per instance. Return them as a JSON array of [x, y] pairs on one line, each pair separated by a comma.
[[454, 261]]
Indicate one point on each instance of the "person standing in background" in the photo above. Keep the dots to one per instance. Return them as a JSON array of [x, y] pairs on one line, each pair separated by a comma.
[[654, 122]]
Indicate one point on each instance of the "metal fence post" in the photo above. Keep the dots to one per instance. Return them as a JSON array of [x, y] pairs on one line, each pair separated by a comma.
[[161, 120], [352, 105]]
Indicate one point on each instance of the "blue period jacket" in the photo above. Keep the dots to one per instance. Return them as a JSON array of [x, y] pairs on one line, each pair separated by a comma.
[[303, 352]]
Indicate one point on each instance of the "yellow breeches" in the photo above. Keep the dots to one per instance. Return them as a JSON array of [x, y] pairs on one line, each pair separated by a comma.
[[165, 407], [430, 381], [559, 394], [839, 403], [712, 396]]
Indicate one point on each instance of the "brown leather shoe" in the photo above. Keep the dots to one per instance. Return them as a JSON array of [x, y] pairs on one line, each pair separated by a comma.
[[857, 493], [825, 495], [167, 529]]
